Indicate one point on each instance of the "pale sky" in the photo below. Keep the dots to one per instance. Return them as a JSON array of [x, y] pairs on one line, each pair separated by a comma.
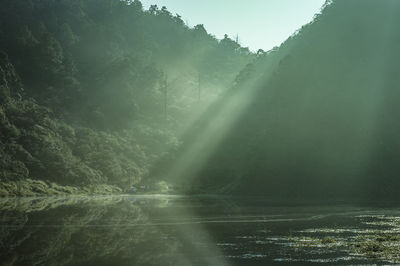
[[259, 23]]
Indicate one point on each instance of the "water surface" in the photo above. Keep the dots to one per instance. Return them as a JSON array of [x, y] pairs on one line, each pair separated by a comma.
[[174, 230]]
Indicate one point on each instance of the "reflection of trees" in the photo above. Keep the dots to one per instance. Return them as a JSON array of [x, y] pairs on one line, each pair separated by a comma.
[[79, 232]]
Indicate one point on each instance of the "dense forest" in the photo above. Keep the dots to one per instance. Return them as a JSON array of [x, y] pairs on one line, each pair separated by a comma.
[[102, 93], [321, 114], [97, 91]]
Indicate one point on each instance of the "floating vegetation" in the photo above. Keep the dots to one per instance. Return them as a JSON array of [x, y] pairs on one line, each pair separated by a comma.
[[380, 241], [384, 247]]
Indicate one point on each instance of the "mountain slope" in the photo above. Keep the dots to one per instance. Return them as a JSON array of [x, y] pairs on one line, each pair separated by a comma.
[[322, 120]]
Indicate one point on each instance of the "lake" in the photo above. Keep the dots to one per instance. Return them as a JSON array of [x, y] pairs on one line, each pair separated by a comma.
[[178, 230]]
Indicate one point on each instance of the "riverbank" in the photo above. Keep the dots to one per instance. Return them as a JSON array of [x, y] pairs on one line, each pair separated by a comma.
[[30, 187]]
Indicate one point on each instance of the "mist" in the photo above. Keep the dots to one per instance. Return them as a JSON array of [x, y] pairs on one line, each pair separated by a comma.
[[130, 137]]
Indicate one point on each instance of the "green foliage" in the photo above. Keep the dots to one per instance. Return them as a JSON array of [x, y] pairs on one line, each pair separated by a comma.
[[69, 54]]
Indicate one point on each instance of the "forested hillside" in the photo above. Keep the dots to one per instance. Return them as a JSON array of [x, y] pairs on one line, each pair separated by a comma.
[[322, 114], [103, 92], [97, 91]]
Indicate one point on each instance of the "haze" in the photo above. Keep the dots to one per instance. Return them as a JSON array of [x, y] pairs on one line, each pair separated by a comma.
[[260, 24]]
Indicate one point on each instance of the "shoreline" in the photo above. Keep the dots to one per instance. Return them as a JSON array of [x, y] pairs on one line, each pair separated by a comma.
[[32, 188]]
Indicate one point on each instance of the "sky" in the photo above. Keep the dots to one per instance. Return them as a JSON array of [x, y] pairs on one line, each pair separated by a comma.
[[260, 24]]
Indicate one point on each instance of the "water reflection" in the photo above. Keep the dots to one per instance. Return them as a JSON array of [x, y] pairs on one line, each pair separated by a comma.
[[172, 230]]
